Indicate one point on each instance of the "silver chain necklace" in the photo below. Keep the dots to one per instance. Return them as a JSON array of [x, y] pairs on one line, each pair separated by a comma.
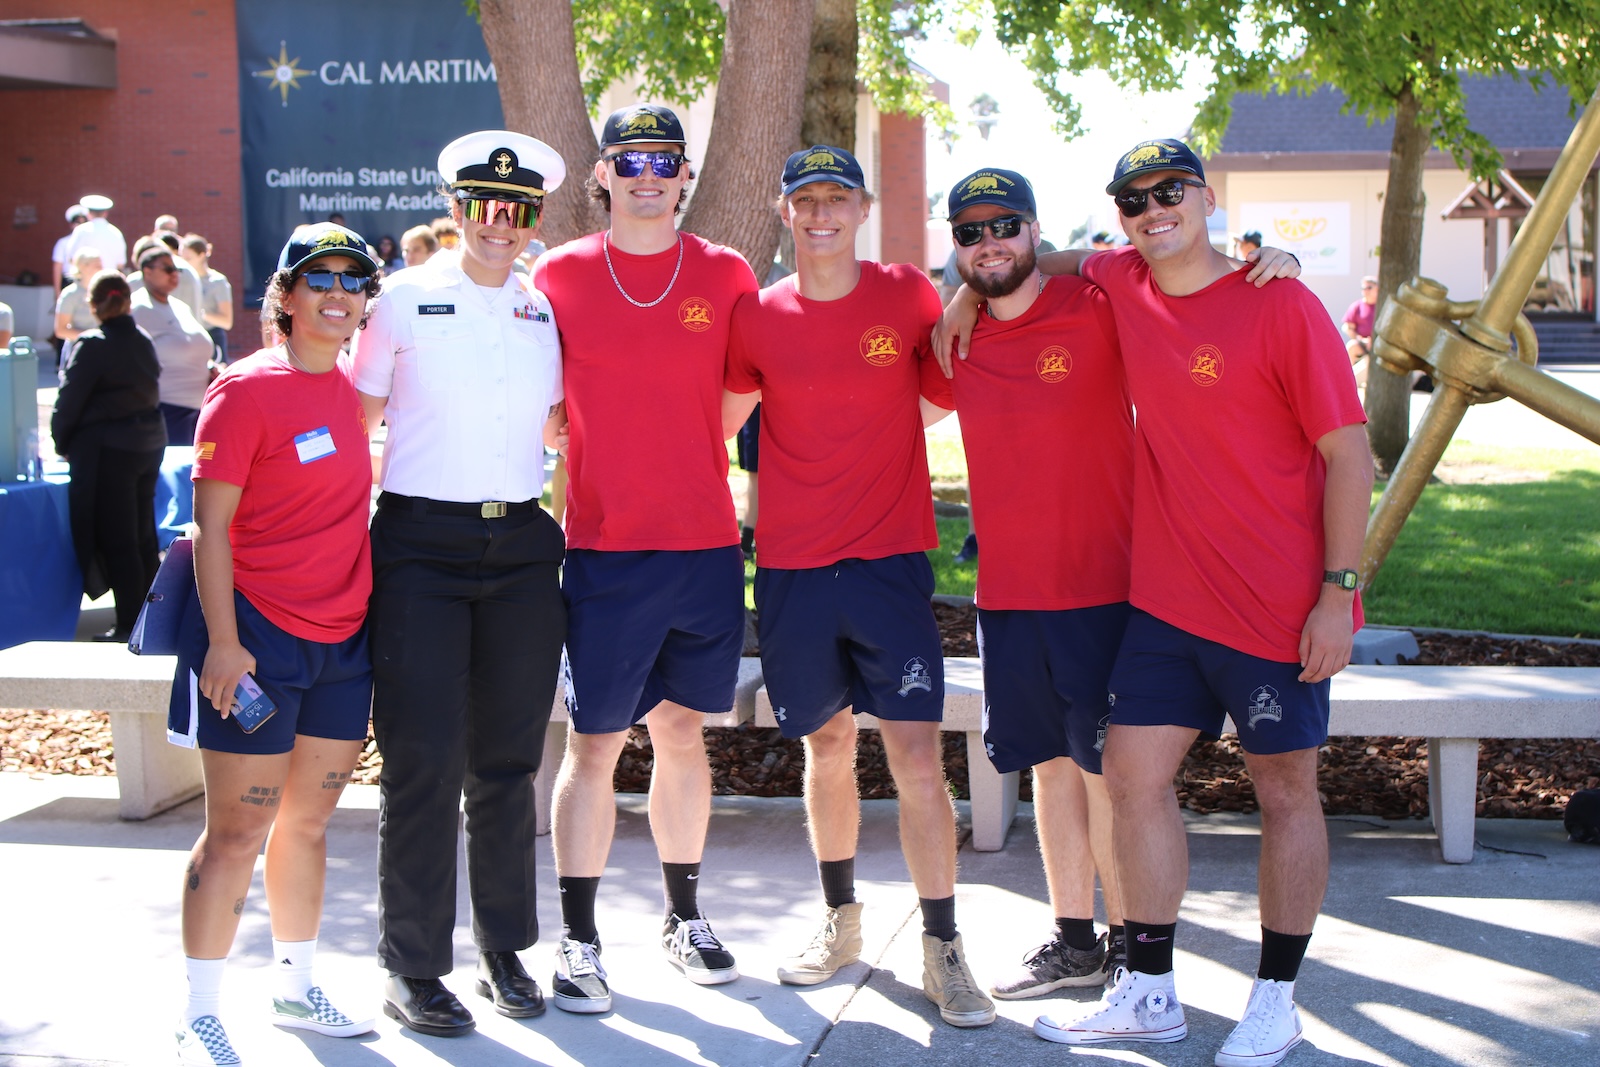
[[605, 245]]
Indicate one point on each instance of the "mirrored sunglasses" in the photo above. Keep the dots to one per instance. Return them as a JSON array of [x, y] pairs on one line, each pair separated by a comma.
[[321, 281], [632, 164], [1004, 227], [1131, 202], [520, 214]]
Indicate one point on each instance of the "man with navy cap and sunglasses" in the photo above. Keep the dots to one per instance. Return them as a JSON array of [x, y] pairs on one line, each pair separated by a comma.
[[1046, 380], [1252, 483], [837, 354], [654, 578], [464, 364]]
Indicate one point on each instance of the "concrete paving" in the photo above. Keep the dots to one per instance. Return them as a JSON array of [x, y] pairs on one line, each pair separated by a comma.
[[1414, 962]]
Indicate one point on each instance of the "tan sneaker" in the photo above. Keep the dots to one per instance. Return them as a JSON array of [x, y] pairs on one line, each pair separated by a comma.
[[947, 982], [835, 945]]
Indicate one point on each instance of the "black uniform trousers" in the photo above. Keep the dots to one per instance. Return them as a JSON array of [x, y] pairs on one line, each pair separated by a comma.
[[466, 627]]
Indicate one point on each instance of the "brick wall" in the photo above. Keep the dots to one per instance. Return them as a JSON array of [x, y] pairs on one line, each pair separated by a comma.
[[165, 141], [903, 199]]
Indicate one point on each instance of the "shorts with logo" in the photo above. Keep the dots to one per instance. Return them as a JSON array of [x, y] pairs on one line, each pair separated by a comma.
[[1165, 676], [859, 633], [643, 627], [321, 689], [1045, 676]]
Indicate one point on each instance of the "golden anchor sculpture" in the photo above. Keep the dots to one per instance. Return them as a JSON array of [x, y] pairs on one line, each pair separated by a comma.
[[1466, 346]]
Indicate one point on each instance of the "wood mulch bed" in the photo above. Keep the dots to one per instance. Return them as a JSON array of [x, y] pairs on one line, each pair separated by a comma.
[[1378, 776]]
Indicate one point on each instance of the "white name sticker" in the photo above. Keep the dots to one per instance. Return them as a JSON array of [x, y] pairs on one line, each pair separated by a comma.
[[314, 444]]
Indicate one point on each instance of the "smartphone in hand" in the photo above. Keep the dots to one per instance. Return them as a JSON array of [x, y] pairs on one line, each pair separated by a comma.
[[251, 706]]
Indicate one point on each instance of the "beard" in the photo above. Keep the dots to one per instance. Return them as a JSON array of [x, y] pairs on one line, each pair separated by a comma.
[[990, 286]]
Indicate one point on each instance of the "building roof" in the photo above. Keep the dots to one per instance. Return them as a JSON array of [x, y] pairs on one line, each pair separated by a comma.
[[1529, 127]]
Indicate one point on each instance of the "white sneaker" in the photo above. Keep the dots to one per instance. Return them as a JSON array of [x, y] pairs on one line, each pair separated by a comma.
[[1269, 1029], [204, 1043], [1140, 1007], [316, 1014]]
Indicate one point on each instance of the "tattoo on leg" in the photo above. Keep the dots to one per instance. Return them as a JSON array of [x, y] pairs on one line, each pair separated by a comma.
[[262, 796], [238, 906], [336, 780], [194, 881]]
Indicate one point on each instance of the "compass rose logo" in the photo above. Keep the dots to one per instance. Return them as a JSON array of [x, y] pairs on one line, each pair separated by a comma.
[[284, 74]]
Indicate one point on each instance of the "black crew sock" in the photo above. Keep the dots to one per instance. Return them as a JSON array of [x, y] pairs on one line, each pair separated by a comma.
[[1115, 931], [838, 881], [1150, 946], [577, 908], [747, 540], [939, 917], [1281, 955], [1077, 933], [682, 883]]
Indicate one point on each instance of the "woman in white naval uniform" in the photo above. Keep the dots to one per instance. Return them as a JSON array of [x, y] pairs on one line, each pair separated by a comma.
[[467, 621]]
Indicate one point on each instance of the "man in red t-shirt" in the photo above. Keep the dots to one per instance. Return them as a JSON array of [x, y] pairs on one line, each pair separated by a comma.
[[1359, 318], [1252, 483], [836, 354], [1048, 431], [654, 578]]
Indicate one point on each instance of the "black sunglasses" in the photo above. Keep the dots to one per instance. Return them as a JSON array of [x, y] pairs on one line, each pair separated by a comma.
[[1131, 202], [321, 281], [632, 164], [520, 213], [1004, 227]]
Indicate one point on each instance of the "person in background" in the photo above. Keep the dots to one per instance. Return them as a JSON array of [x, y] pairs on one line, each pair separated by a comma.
[[446, 232], [1358, 321], [60, 266], [98, 232], [73, 311], [417, 245], [282, 571], [1102, 241], [182, 345], [216, 292], [1249, 242], [389, 254], [107, 423], [165, 224]]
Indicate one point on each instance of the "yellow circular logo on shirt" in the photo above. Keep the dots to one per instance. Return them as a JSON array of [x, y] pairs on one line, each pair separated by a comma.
[[1205, 366], [1054, 364], [695, 314], [880, 346]]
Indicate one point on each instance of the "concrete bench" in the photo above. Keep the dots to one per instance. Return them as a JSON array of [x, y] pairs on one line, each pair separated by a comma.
[[1454, 707], [994, 795], [152, 774]]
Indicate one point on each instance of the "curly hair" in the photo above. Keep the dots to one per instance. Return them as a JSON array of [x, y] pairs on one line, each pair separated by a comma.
[[281, 281]]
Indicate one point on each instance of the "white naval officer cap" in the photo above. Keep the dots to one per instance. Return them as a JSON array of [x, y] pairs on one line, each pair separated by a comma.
[[502, 161], [96, 202]]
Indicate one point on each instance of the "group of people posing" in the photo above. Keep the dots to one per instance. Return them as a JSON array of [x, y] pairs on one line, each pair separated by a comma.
[[1138, 581]]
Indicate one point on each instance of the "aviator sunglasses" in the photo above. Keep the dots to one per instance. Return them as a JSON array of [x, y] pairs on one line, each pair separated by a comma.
[[520, 214], [632, 164], [1131, 202], [1004, 227], [321, 281]]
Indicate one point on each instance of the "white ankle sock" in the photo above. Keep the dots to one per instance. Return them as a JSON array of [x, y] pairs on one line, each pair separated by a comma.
[[205, 987], [291, 976]]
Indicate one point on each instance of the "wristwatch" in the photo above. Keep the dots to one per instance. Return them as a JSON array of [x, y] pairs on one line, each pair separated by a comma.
[[1346, 580]]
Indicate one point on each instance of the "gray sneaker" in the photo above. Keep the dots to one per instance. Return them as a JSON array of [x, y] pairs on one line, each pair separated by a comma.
[[837, 944], [948, 983], [1054, 965], [1116, 958]]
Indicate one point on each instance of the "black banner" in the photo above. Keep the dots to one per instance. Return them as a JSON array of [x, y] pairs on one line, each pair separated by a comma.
[[343, 111]]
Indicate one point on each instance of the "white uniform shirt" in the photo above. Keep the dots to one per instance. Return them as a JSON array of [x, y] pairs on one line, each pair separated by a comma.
[[103, 237], [469, 380]]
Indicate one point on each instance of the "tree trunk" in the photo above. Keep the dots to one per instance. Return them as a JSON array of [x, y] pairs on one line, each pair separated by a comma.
[[536, 61], [1388, 393], [830, 112], [760, 95]]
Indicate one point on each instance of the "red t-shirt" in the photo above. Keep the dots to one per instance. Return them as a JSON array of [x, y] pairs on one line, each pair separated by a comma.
[[1362, 315], [844, 467], [297, 444], [1049, 438], [1234, 386], [647, 465]]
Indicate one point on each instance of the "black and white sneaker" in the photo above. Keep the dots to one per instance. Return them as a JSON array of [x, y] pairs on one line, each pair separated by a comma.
[[580, 982], [694, 949], [1054, 965], [204, 1043], [1116, 958]]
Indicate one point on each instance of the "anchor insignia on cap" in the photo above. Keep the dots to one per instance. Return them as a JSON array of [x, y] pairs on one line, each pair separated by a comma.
[[503, 163]]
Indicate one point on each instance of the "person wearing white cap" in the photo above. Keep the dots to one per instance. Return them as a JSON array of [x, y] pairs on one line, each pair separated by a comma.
[[61, 269], [654, 580], [98, 232], [467, 621]]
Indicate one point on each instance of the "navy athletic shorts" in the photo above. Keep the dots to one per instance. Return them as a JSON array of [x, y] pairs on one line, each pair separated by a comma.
[[1165, 676], [643, 627], [1044, 683], [748, 441], [321, 689], [859, 633]]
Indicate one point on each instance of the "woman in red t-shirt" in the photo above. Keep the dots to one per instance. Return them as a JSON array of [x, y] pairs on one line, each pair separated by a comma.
[[283, 480]]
